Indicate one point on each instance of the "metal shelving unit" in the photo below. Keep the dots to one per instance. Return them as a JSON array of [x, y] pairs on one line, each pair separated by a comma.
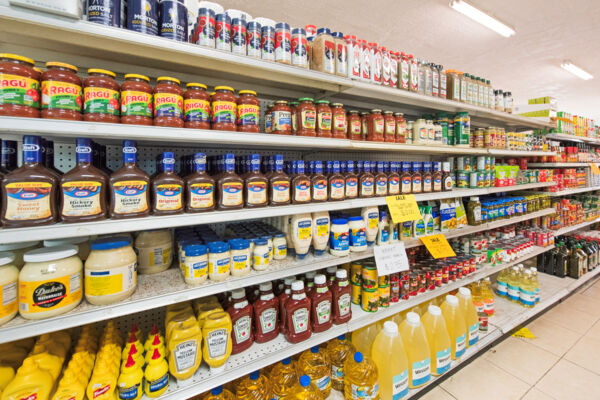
[[572, 138], [559, 165], [572, 228]]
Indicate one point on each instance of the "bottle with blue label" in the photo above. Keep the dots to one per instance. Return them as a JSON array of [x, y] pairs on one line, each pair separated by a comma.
[[279, 182], [381, 180], [366, 180], [318, 182], [337, 187], [351, 180], [301, 184], [383, 234], [167, 188]]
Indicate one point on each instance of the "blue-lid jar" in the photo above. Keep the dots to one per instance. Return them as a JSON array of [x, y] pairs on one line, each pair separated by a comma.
[[219, 261]]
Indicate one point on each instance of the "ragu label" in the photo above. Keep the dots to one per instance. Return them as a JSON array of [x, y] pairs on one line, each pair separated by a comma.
[[40, 296], [201, 195], [100, 101], [308, 119], [28, 201], [136, 103], [61, 95], [196, 110], [168, 197], [224, 112], [280, 191], [130, 196], [19, 90], [81, 198], [247, 114], [329, 57], [168, 105], [256, 192], [231, 194]]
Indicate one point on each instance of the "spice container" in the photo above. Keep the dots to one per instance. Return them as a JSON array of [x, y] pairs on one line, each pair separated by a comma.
[[253, 39], [283, 45], [323, 52], [341, 54], [299, 48]]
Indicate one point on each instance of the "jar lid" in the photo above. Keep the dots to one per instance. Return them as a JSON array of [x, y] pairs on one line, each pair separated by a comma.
[[281, 102], [109, 243], [322, 102], [17, 246], [229, 88], [306, 99], [138, 76], [260, 242], [194, 250], [168, 78], [50, 253], [239, 244], [357, 218], [202, 85], [6, 258], [17, 57], [340, 221], [218, 247], [337, 105], [376, 110], [58, 242], [387, 112], [101, 71], [62, 65], [252, 92]]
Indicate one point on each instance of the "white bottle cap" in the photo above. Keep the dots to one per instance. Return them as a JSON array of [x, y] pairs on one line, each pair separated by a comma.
[[289, 280], [341, 274], [465, 291], [311, 274], [331, 270], [17, 246], [390, 327], [297, 285], [6, 258], [452, 300], [238, 294], [320, 279], [265, 286], [434, 310], [413, 318], [58, 242]]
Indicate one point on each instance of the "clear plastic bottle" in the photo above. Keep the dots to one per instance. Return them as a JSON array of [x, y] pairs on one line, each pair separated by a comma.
[[255, 386], [393, 371], [304, 389], [439, 340], [471, 319], [457, 327], [361, 380], [417, 350], [316, 365], [487, 296], [502, 282], [363, 338], [219, 393], [513, 285], [338, 350], [283, 378]]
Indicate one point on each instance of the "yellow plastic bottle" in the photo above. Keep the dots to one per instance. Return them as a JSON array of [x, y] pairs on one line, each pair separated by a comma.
[[71, 386], [477, 295], [254, 387], [133, 340], [417, 350], [283, 377], [138, 357], [304, 389], [154, 339], [216, 334], [439, 340], [513, 284], [30, 382], [315, 364], [156, 375], [528, 289], [131, 381], [7, 373], [338, 350], [362, 339], [457, 327], [219, 393], [471, 319], [390, 357], [185, 350], [362, 378], [51, 363], [103, 383], [487, 295]]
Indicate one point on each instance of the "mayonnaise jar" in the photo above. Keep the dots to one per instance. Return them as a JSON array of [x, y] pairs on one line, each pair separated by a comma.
[[240, 257], [195, 263], [279, 246], [155, 251], [358, 234], [82, 243], [219, 261], [9, 276], [18, 249], [340, 237], [260, 256], [50, 282], [110, 271]]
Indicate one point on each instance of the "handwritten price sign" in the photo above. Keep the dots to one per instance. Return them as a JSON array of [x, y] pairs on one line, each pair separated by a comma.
[[403, 208], [438, 246], [390, 258]]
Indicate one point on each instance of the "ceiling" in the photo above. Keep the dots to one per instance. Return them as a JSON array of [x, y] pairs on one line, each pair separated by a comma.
[[527, 64]]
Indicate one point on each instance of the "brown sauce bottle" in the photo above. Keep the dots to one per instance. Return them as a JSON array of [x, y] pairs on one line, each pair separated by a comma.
[[336, 185], [255, 183], [279, 183], [230, 185], [381, 180], [199, 187], [83, 189], [29, 192], [318, 182], [301, 190], [129, 187], [167, 188], [351, 180]]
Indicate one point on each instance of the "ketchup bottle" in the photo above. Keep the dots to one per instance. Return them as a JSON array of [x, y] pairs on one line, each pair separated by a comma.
[[240, 312], [266, 312], [342, 295], [297, 310], [283, 298], [321, 305]]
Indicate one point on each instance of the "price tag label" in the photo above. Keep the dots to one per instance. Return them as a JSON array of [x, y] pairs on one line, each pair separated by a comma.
[[595, 169], [403, 208], [391, 258], [438, 246]]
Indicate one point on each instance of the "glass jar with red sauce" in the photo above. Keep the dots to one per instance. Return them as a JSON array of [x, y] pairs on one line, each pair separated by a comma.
[[375, 126], [354, 126], [339, 124], [196, 106], [281, 118], [19, 87], [323, 118], [342, 297], [389, 120], [297, 311], [364, 123], [306, 115], [168, 102], [400, 128], [61, 92], [294, 108], [136, 100], [224, 109], [240, 312], [266, 314], [248, 112], [321, 301], [101, 97]]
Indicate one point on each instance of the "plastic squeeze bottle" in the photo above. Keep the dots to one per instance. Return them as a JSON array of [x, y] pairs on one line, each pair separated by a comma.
[[389, 355], [131, 381], [157, 376]]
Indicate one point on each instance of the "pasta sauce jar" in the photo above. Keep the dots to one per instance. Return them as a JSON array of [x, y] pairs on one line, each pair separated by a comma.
[[375, 126], [223, 109], [323, 118], [306, 115], [248, 111], [282, 118], [136, 100], [61, 92], [19, 86], [196, 106], [101, 96], [339, 122], [168, 102]]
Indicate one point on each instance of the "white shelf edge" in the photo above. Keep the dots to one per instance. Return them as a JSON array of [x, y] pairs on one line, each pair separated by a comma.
[[559, 165], [571, 228], [572, 138], [567, 192]]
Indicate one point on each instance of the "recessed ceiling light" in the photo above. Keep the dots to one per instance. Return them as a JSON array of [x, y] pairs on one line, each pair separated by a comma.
[[482, 18], [575, 70]]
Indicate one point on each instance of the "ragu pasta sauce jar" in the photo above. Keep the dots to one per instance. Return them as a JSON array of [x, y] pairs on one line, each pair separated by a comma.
[[61, 92], [248, 112], [19, 87], [224, 109], [168, 102], [101, 97], [136, 100], [196, 106]]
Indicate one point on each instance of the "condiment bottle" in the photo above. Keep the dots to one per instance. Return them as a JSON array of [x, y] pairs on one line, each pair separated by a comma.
[[321, 300], [240, 312], [282, 299], [427, 178], [83, 189], [297, 310], [436, 177], [29, 192], [306, 116], [266, 314], [196, 106], [25, 102], [318, 183], [406, 178], [339, 123], [167, 188], [381, 180], [393, 179], [336, 182], [446, 178], [342, 296], [255, 183], [168, 102], [366, 181], [230, 185], [351, 181], [323, 128], [199, 187], [417, 178], [301, 185]]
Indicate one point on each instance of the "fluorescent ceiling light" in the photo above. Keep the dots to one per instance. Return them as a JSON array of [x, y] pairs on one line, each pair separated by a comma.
[[482, 18], [575, 70]]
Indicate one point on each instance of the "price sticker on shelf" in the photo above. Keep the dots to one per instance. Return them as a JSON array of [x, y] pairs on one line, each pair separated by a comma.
[[403, 208], [438, 246], [595, 169], [391, 258]]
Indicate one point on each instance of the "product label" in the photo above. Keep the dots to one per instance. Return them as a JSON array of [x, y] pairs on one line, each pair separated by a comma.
[[488, 305], [527, 297], [355, 128], [461, 345], [381, 186], [28, 200], [400, 385], [8, 299], [220, 267], [268, 320], [248, 114], [241, 329], [502, 288], [368, 186], [308, 118], [256, 192], [282, 120], [154, 256], [358, 237], [322, 225], [351, 187], [404, 76], [340, 241], [201, 195], [323, 311], [168, 105], [98, 390], [513, 292], [378, 125], [136, 103], [473, 333], [300, 320], [130, 197], [323, 383], [81, 198], [158, 384], [319, 189], [421, 372], [336, 188], [20, 90], [280, 191], [100, 101], [110, 281], [224, 112], [364, 392], [195, 270], [339, 123], [304, 230], [260, 259], [185, 354], [329, 57], [443, 360], [394, 185], [39, 296], [125, 393], [302, 192], [231, 193], [240, 263], [196, 110], [324, 119], [337, 374], [61, 95], [344, 304], [217, 341], [168, 197]]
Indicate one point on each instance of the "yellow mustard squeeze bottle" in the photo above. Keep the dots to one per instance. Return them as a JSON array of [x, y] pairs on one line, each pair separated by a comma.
[[131, 381], [216, 333], [156, 375], [184, 346]]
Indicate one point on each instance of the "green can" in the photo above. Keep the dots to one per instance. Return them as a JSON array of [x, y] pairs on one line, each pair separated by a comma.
[[462, 128], [489, 180], [476, 180], [462, 179]]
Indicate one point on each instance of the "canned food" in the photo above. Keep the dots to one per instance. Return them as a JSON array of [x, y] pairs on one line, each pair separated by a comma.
[[356, 292], [460, 163], [384, 280], [394, 291], [488, 180], [481, 161], [356, 273], [413, 289], [462, 179], [405, 285], [476, 180], [369, 277], [369, 300], [384, 296]]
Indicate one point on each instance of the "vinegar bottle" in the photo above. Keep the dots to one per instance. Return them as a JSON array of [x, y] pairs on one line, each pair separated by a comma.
[[471, 319], [393, 370], [457, 327], [439, 340]]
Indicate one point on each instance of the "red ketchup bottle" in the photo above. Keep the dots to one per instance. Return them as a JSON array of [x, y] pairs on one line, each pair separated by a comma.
[[240, 312], [321, 305], [266, 313], [283, 298], [342, 296], [297, 310]]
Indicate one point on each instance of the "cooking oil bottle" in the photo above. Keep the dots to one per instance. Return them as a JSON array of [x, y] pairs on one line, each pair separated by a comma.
[[471, 319], [393, 370], [487, 295], [315, 364], [255, 386], [219, 393], [528, 289], [362, 339], [514, 284], [417, 350], [502, 282], [439, 340], [361, 381], [457, 328], [338, 350], [283, 377], [304, 389]]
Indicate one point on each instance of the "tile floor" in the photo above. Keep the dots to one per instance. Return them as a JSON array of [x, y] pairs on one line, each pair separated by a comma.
[[562, 362]]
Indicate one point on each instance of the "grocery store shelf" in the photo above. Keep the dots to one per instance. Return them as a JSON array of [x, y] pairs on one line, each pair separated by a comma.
[[559, 165], [572, 138], [568, 192], [572, 228], [519, 153], [62, 230]]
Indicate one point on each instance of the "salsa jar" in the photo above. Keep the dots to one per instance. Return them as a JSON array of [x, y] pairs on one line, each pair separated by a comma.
[[339, 121], [168, 102], [375, 126], [136, 100], [224, 109], [248, 112], [354, 125], [19, 87], [196, 106], [306, 115], [282, 118], [323, 118], [61, 92], [101, 97], [389, 126]]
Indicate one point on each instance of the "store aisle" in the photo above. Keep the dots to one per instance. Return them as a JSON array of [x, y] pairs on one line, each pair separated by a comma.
[[562, 362]]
